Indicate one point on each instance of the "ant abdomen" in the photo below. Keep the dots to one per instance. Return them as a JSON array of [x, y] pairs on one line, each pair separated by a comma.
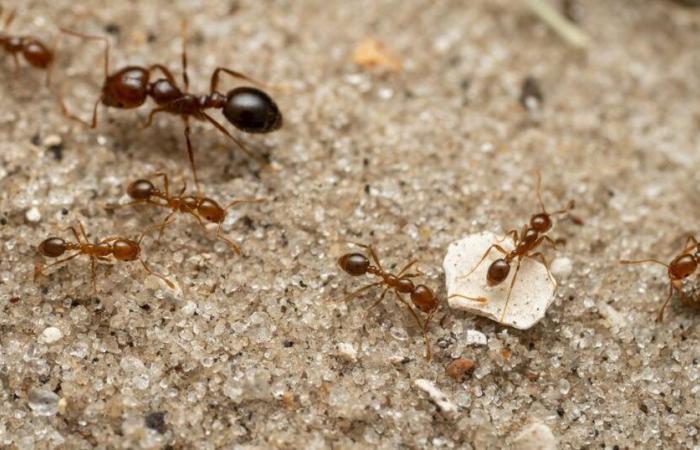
[[354, 264], [424, 299], [125, 250], [251, 110], [211, 210], [682, 267], [37, 54], [140, 189], [498, 271], [52, 247]]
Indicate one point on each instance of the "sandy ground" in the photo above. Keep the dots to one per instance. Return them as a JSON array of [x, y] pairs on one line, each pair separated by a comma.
[[247, 354]]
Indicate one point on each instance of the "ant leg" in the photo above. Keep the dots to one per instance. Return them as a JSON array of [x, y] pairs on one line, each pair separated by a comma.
[[165, 181], [164, 70], [642, 261], [82, 231], [549, 240], [61, 261], [660, 316], [148, 269], [544, 262], [245, 200], [164, 224], [185, 77], [153, 112], [373, 253], [93, 270], [75, 233], [93, 38], [9, 19], [475, 299], [569, 206], [406, 267], [15, 60], [381, 297], [190, 153], [693, 243], [513, 234], [240, 145], [152, 228], [215, 78], [496, 246], [428, 353], [73, 117], [538, 185], [361, 290], [234, 247], [510, 289]]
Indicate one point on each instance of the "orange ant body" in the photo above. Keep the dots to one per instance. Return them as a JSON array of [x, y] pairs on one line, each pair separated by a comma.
[[247, 108], [422, 297], [530, 237], [680, 268], [116, 247], [35, 52], [201, 208]]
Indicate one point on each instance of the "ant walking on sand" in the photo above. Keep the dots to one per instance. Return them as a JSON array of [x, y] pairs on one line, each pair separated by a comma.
[[201, 208], [357, 264], [34, 51], [531, 236], [680, 268], [247, 108], [117, 247]]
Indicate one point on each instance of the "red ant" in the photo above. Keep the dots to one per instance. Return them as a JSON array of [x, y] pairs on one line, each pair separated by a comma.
[[201, 208], [34, 51], [117, 247], [247, 108], [357, 264], [531, 236], [680, 268]]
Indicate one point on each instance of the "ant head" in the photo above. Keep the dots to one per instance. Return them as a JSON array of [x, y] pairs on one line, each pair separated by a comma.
[[140, 189], [127, 88], [682, 266], [541, 222], [423, 298], [52, 247], [211, 211], [37, 54], [125, 249], [354, 264], [498, 272], [251, 110]]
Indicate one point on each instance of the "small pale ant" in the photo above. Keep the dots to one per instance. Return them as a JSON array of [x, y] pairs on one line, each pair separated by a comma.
[[531, 236], [36, 53], [247, 108], [680, 268], [203, 209], [357, 264], [116, 247]]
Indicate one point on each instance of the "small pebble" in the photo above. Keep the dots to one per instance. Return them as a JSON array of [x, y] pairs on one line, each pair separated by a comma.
[[458, 368], [475, 337], [444, 404], [52, 140], [50, 335], [346, 351], [536, 436], [43, 402], [33, 215], [561, 267]]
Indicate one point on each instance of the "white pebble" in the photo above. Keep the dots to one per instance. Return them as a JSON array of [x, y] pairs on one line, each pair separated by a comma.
[[475, 337], [43, 402], [536, 436], [50, 335], [52, 140], [531, 295], [346, 351], [436, 395], [33, 215], [561, 267]]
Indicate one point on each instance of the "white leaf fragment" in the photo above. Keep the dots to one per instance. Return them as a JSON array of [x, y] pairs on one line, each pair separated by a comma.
[[532, 293], [436, 395]]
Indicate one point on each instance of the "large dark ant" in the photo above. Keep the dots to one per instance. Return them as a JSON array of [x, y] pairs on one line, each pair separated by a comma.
[[247, 108], [201, 208], [680, 268], [116, 247], [357, 264], [35, 52], [531, 236]]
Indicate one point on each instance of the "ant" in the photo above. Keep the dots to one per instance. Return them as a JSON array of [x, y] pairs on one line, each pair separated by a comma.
[[201, 208], [531, 236], [680, 268], [34, 51], [357, 264], [247, 108], [117, 247]]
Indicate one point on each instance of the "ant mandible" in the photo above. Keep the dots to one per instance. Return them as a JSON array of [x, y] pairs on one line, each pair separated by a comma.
[[34, 51], [117, 247], [680, 268], [247, 108], [531, 236], [357, 264], [201, 208]]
